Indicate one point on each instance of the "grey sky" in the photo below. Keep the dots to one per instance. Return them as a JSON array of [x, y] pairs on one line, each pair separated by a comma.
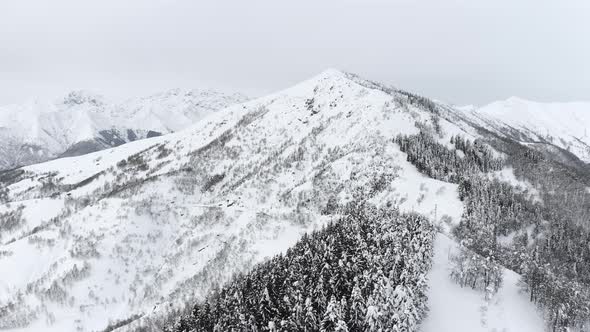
[[461, 51]]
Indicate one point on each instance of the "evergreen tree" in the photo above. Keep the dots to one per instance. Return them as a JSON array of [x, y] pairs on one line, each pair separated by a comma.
[[332, 320]]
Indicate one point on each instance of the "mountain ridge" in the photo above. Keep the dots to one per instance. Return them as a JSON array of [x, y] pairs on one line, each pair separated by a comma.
[[136, 233], [238, 184], [38, 131], [564, 125]]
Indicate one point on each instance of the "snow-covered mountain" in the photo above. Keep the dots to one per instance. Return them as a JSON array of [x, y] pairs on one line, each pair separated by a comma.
[[562, 125], [83, 122], [127, 236]]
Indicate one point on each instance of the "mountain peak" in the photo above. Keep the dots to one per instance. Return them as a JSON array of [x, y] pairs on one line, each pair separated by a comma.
[[152, 225], [78, 97], [516, 99], [332, 73]]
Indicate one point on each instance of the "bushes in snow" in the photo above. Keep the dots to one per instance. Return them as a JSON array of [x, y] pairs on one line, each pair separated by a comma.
[[134, 161], [365, 272], [212, 181], [15, 314], [11, 219], [3, 194], [85, 247], [163, 151]]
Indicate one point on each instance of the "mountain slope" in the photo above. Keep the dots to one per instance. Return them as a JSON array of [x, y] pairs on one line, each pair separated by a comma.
[[455, 308], [562, 125], [83, 122], [135, 233]]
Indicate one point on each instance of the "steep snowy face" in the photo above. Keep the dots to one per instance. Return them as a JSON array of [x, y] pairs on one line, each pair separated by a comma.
[[134, 232], [565, 125], [84, 122]]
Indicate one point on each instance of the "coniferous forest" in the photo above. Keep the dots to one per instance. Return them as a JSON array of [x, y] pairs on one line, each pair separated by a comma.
[[438, 162], [364, 272], [542, 235]]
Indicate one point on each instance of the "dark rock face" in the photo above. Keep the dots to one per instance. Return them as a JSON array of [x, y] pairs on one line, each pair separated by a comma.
[[83, 147], [131, 136], [26, 154], [9, 177], [111, 137], [152, 133], [106, 139]]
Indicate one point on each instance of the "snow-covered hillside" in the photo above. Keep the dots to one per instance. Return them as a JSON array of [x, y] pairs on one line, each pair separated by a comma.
[[132, 233], [454, 308], [84, 122], [565, 125]]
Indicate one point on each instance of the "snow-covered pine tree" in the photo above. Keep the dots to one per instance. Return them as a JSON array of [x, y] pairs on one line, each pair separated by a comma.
[[332, 320]]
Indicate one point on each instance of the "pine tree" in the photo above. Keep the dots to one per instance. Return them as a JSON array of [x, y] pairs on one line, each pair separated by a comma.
[[357, 310], [310, 319], [332, 320], [373, 316]]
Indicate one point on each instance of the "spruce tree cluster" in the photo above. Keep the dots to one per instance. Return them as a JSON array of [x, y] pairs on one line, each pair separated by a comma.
[[551, 252], [492, 209], [438, 162], [364, 272]]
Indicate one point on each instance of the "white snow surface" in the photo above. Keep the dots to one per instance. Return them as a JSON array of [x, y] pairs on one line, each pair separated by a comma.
[[186, 211]]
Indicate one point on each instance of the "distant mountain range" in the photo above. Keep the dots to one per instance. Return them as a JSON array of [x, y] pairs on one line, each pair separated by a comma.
[[83, 122], [563, 125]]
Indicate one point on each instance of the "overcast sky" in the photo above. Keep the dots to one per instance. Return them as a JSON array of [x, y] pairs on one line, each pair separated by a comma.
[[463, 52]]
